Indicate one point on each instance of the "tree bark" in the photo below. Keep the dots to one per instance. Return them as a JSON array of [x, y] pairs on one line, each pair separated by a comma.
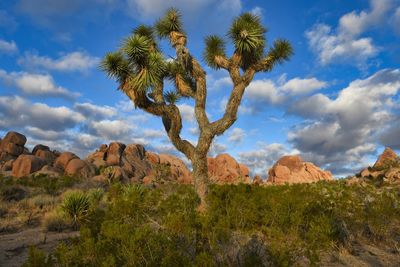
[[200, 177]]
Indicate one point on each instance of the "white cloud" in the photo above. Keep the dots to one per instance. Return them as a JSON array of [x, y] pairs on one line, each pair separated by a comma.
[[113, 130], [18, 112], [35, 84], [74, 61], [299, 86], [95, 111], [344, 43], [8, 47], [236, 135], [187, 112], [337, 128], [264, 90], [268, 91]]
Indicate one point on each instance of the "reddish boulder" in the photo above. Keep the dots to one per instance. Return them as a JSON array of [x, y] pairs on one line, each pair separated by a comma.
[[224, 169], [113, 154], [388, 156], [133, 162], [178, 168], [26, 164], [46, 155], [257, 180], [40, 147], [14, 138], [292, 169], [78, 167], [7, 166], [63, 160]]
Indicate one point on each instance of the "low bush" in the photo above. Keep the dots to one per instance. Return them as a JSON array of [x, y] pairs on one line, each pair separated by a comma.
[[244, 225], [76, 206], [55, 221], [13, 193]]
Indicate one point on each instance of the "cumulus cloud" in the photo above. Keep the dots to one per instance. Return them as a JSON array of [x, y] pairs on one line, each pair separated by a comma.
[[35, 84], [337, 129], [262, 158], [18, 112], [236, 135], [74, 61], [345, 43], [187, 112], [275, 93], [95, 111], [8, 47]]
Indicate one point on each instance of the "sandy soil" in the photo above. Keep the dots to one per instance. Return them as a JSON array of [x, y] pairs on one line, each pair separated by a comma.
[[14, 247]]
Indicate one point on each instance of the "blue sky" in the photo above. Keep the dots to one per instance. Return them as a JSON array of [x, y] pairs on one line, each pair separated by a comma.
[[336, 102]]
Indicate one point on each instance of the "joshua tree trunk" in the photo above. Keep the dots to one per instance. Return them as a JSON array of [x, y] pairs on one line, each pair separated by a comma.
[[200, 177]]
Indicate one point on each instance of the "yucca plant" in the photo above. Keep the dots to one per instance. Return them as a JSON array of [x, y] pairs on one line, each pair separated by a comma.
[[140, 69], [76, 205]]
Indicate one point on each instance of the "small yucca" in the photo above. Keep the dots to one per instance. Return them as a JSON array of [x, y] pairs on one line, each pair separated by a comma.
[[76, 206]]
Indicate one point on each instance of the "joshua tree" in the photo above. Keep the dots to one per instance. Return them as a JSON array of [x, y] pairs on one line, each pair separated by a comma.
[[140, 69]]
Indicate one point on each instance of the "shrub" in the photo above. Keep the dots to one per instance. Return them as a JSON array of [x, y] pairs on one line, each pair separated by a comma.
[[55, 221], [37, 258], [76, 206], [13, 193]]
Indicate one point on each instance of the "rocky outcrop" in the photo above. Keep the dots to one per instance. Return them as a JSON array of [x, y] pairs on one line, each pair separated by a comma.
[[386, 158], [26, 164], [385, 169], [224, 169], [292, 169], [113, 162], [257, 180]]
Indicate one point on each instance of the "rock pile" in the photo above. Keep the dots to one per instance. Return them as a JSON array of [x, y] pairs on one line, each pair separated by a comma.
[[113, 162], [292, 169], [386, 168]]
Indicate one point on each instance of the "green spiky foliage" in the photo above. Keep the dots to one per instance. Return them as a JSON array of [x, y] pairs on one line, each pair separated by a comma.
[[215, 46], [115, 65], [172, 97], [247, 35], [171, 22], [280, 51], [76, 206]]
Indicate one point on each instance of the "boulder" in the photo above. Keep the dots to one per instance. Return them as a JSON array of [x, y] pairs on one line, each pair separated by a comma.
[[115, 174], [134, 163], [40, 147], [113, 154], [388, 156], [257, 180], [292, 169], [46, 155], [7, 166], [14, 138], [26, 164], [179, 171], [63, 160], [81, 168], [224, 169], [97, 159], [48, 171]]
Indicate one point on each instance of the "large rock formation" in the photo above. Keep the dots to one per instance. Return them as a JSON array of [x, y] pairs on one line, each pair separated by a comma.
[[224, 169], [292, 169], [386, 158], [113, 162], [385, 169]]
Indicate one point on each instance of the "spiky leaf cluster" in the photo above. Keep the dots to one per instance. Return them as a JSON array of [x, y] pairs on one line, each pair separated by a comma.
[[279, 52], [171, 22], [215, 46], [172, 97], [247, 35], [174, 69], [116, 66]]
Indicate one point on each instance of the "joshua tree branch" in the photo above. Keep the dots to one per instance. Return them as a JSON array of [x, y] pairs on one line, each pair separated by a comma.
[[171, 118]]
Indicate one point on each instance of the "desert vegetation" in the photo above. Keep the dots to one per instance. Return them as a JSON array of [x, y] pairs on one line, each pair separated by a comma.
[[246, 225]]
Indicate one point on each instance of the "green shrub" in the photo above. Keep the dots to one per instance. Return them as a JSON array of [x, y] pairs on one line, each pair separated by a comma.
[[76, 206], [243, 225], [37, 258]]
